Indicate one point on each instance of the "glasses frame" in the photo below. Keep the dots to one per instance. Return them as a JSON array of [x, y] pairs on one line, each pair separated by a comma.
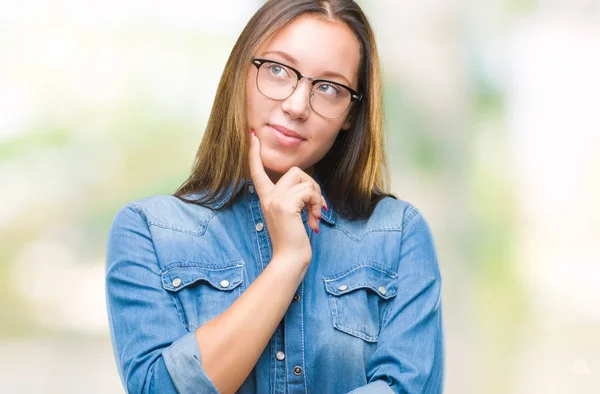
[[354, 95]]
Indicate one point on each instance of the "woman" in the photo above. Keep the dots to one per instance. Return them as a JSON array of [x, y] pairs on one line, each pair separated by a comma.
[[281, 265]]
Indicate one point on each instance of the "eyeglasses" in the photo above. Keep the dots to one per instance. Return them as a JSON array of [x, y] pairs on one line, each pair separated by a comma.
[[278, 81]]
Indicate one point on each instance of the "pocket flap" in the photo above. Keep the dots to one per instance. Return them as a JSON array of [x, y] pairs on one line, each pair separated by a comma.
[[224, 277], [380, 280]]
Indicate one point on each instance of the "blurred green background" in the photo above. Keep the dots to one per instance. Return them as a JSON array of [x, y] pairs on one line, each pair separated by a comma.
[[493, 132]]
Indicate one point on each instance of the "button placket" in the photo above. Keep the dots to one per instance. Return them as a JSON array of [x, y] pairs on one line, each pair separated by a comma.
[[259, 230], [294, 342], [278, 367]]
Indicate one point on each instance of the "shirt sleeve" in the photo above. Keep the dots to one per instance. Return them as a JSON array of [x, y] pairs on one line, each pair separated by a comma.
[[153, 350], [410, 352]]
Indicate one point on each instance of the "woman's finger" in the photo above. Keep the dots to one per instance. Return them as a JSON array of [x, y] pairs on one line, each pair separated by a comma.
[[295, 176], [262, 182], [305, 196]]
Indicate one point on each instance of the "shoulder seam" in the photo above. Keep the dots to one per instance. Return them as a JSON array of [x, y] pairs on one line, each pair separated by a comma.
[[155, 223], [137, 209], [409, 214]]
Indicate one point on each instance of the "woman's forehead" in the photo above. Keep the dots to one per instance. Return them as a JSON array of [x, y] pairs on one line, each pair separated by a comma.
[[316, 47]]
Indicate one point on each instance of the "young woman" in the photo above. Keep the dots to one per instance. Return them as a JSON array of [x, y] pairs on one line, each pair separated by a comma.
[[281, 265]]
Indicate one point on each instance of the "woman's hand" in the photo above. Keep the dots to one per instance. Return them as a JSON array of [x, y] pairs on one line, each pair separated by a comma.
[[282, 205]]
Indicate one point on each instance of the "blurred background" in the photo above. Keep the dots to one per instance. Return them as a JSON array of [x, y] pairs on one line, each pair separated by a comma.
[[493, 132]]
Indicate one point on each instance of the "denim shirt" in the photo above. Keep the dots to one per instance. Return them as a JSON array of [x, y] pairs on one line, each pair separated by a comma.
[[366, 318]]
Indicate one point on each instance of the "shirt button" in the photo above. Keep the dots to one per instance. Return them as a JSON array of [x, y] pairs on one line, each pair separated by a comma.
[[342, 287], [259, 226], [382, 290], [224, 283], [280, 356], [296, 298], [251, 188], [176, 282], [297, 371]]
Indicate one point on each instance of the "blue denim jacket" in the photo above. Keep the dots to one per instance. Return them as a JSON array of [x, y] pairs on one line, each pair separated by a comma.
[[366, 319]]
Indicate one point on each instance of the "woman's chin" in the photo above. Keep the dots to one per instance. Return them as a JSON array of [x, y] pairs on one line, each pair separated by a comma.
[[276, 164], [276, 170]]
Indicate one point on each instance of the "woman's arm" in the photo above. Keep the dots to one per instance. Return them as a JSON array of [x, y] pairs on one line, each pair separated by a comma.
[[410, 351], [146, 331], [154, 351], [232, 342]]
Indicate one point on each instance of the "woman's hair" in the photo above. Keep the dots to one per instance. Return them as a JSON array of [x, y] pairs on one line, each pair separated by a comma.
[[353, 173]]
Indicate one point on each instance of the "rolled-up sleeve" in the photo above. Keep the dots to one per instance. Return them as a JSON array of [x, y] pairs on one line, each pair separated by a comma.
[[154, 351], [410, 351]]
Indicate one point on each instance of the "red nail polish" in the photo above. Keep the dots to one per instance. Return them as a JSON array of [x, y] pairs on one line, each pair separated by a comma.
[[326, 208], [319, 218], [317, 230]]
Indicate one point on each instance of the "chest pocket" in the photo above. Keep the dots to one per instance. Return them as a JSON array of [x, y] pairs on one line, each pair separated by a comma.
[[359, 299], [202, 290]]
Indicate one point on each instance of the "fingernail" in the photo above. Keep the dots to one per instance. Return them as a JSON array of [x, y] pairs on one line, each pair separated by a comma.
[[326, 208], [317, 231], [319, 217]]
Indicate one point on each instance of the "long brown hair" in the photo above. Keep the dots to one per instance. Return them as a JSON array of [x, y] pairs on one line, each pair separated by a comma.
[[354, 172]]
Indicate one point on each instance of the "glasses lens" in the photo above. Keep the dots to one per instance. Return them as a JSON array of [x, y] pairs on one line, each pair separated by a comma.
[[276, 81], [329, 99]]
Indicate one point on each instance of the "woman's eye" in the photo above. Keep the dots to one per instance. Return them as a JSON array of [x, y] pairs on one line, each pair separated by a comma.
[[329, 89], [278, 70]]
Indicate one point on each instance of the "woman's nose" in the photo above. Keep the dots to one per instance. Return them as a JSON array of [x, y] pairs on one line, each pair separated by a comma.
[[298, 104]]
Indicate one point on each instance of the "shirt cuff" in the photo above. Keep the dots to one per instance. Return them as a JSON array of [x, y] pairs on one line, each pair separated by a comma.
[[376, 387], [183, 362]]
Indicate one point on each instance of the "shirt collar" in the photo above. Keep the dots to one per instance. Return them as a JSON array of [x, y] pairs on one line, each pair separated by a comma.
[[232, 190]]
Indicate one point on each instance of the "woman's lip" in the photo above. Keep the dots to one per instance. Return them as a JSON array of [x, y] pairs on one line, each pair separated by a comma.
[[284, 139], [286, 131]]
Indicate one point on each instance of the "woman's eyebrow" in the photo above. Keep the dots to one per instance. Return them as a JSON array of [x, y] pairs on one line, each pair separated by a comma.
[[294, 62], [284, 55]]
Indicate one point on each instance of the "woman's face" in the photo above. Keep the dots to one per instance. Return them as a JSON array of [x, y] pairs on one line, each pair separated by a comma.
[[319, 49]]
